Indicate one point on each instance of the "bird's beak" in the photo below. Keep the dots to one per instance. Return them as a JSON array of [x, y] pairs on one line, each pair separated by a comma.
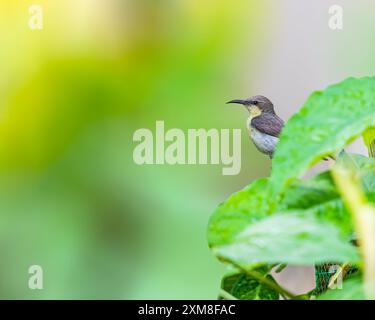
[[243, 102]]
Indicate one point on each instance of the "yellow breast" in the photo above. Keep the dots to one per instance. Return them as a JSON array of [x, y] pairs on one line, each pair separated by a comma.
[[254, 112]]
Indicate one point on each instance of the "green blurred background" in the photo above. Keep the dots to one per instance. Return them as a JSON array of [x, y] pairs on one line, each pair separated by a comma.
[[72, 95]]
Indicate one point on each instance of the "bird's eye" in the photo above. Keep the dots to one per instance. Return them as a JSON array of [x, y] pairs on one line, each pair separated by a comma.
[[255, 103]]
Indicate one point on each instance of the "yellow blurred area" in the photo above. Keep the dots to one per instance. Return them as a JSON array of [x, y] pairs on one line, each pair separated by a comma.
[[94, 59]]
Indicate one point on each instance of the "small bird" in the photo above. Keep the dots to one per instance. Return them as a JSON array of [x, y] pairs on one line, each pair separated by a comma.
[[263, 124]]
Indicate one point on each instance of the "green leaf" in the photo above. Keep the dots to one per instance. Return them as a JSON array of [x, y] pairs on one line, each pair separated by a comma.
[[315, 198], [288, 238], [303, 194], [318, 197], [352, 289], [364, 167], [244, 287], [241, 209], [325, 124]]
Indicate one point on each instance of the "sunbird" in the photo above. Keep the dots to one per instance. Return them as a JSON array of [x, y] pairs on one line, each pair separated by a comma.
[[263, 124]]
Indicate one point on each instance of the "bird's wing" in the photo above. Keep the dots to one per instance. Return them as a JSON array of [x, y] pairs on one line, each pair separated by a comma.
[[268, 123]]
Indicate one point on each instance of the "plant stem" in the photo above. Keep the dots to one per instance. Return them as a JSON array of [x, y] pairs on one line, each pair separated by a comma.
[[363, 214], [226, 295], [369, 140], [371, 149], [340, 271], [262, 279]]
